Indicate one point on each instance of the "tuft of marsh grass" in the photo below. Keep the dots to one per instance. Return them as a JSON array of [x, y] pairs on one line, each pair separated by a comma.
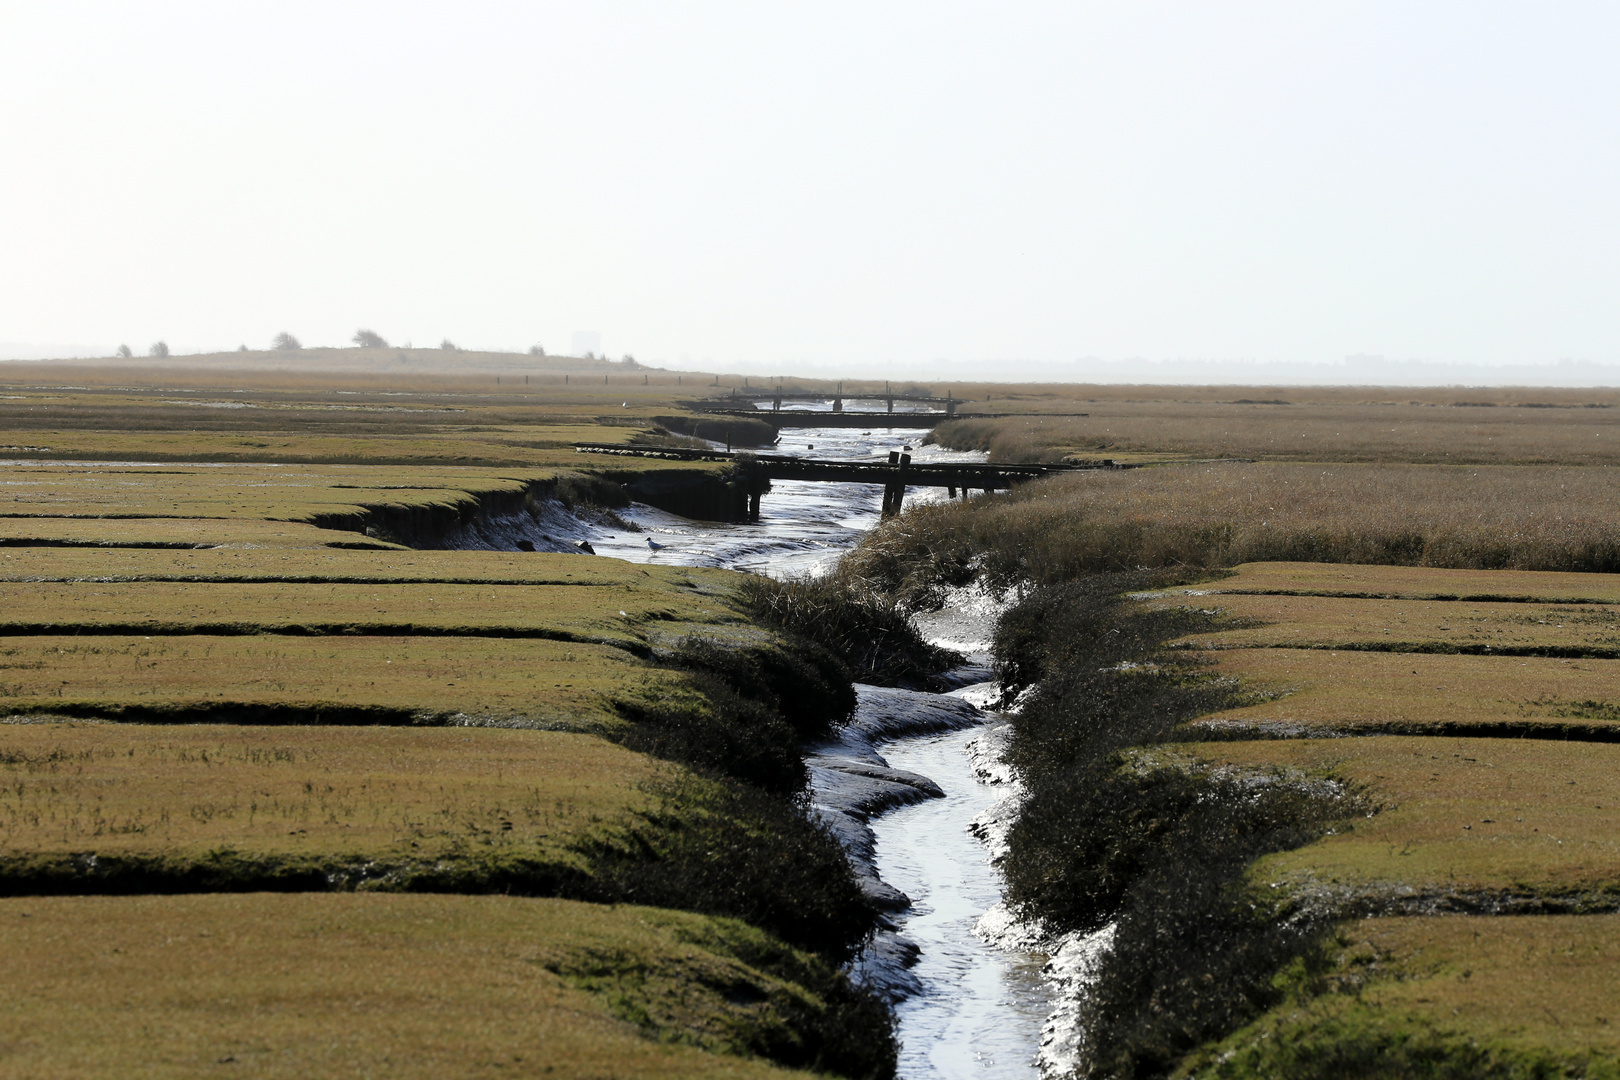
[[727, 848], [863, 626], [745, 710]]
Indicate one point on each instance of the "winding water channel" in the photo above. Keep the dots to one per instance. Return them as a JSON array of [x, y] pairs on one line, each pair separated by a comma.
[[900, 787]]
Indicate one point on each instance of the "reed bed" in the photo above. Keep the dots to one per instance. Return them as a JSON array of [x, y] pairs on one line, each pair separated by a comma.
[[1459, 434], [1410, 583], [1205, 516], [1052, 397]]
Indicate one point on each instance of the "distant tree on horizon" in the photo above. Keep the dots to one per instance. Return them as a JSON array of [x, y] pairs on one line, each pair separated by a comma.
[[124, 351], [537, 350], [448, 346], [369, 339], [285, 342], [159, 349], [242, 347]]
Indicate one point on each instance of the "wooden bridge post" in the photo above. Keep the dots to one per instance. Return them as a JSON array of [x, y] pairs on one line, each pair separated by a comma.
[[888, 489], [894, 493]]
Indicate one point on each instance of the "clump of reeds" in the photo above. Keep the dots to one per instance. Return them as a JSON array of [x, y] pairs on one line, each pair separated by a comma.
[[865, 627], [726, 848], [1105, 833], [1206, 516], [1443, 431]]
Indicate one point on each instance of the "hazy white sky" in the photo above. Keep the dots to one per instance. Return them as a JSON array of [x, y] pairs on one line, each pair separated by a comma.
[[862, 187]]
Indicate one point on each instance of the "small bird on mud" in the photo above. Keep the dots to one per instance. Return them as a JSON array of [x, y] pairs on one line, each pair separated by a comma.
[[655, 545]]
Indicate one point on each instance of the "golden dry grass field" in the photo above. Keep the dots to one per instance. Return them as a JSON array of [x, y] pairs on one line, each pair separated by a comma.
[[1341, 424], [376, 985], [504, 446], [1273, 621], [1509, 828], [259, 492], [526, 412], [1411, 582], [1381, 550], [528, 638], [1323, 692], [1320, 661], [567, 612], [1215, 516], [337, 796], [1524, 818], [1503, 995], [222, 668], [163, 557], [331, 679], [326, 566], [104, 533]]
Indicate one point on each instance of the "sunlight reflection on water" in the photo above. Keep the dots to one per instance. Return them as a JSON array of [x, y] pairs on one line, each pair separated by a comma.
[[981, 1009]]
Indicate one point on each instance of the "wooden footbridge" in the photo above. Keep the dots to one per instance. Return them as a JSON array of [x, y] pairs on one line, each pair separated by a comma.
[[808, 418], [780, 394], [753, 473]]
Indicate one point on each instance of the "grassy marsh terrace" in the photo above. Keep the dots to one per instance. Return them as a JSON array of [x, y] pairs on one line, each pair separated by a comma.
[[293, 781]]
